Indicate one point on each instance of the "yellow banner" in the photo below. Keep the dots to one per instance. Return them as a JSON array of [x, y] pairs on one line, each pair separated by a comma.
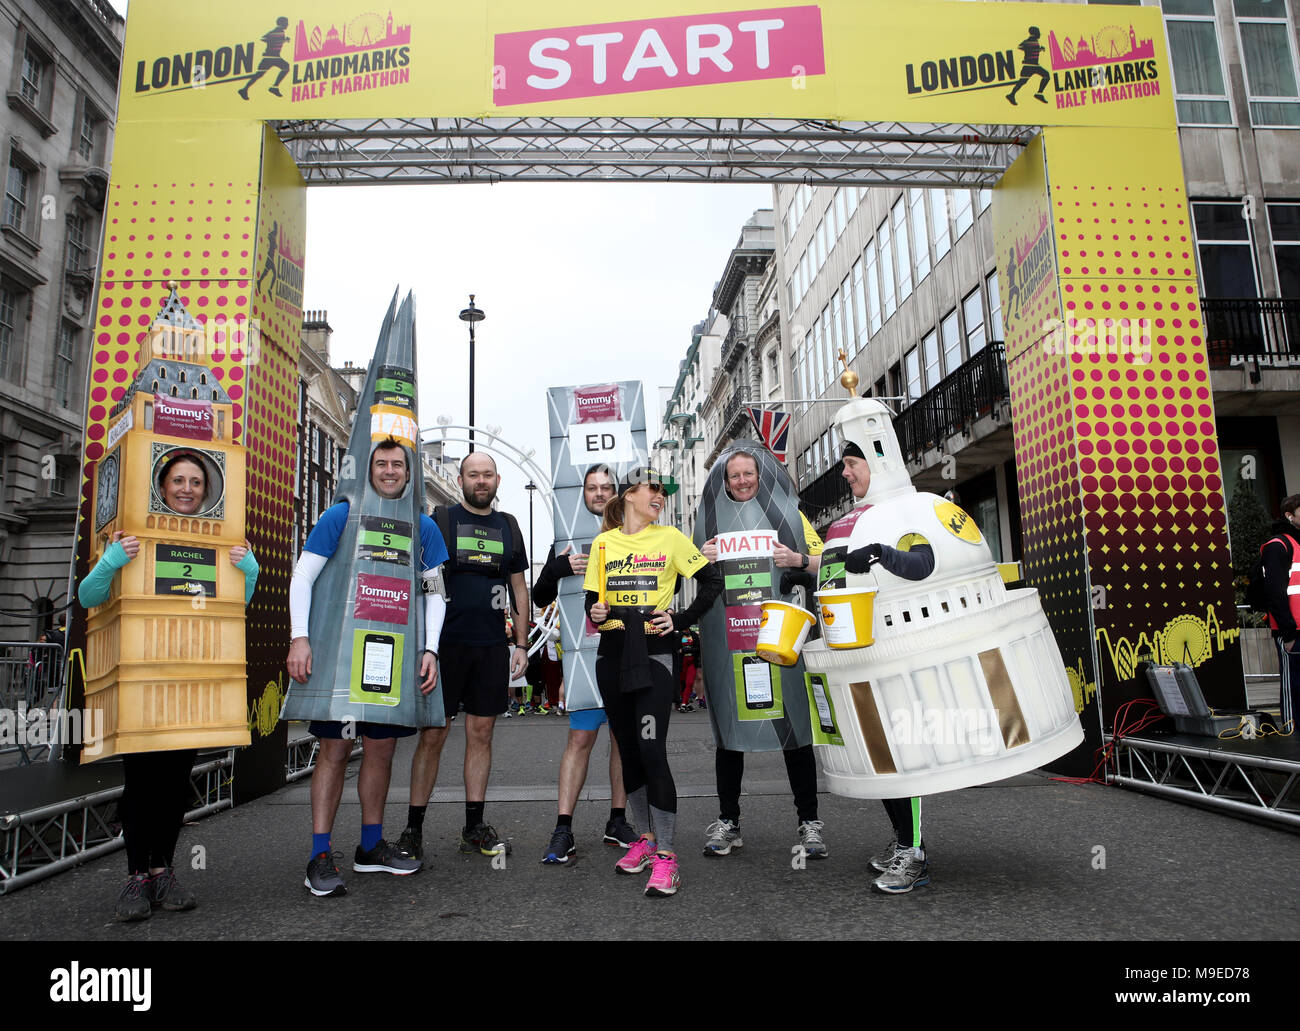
[[858, 60]]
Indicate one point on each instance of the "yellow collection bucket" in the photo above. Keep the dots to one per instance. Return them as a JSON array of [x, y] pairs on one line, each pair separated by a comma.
[[782, 632], [846, 617]]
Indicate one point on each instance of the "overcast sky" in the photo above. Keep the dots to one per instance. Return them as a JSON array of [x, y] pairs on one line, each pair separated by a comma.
[[581, 283]]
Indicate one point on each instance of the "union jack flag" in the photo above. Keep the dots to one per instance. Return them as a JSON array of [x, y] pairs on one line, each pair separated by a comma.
[[773, 430]]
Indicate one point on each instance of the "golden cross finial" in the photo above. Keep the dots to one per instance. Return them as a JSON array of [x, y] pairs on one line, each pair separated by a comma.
[[848, 378]]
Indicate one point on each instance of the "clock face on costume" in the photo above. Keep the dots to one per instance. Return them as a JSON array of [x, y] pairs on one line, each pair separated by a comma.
[[106, 486]]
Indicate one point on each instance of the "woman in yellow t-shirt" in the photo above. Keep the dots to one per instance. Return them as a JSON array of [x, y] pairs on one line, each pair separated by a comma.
[[628, 598]]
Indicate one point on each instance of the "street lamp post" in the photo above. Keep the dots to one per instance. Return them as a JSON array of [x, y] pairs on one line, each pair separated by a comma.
[[531, 487], [471, 315]]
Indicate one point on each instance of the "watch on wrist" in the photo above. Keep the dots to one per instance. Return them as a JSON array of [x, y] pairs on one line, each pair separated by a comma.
[[804, 558]]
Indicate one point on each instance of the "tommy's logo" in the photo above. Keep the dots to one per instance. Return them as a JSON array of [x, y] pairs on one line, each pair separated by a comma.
[[597, 404]]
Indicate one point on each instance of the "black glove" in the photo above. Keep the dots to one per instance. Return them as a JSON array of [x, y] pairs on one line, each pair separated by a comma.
[[863, 559], [792, 578]]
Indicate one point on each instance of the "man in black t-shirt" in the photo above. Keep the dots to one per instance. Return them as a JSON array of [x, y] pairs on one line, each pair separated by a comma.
[[485, 578]]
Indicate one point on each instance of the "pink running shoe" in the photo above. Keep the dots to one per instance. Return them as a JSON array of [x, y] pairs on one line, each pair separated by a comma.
[[664, 878], [638, 856]]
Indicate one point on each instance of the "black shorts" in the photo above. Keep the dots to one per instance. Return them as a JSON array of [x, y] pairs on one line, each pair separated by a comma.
[[333, 729], [477, 675]]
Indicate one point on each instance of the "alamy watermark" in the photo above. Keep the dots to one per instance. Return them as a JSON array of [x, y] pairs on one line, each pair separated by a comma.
[[30, 727], [973, 727], [1113, 337]]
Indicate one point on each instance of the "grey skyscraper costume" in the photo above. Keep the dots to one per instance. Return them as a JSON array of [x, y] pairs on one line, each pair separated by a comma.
[[367, 614], [611, 432], [729, 629]]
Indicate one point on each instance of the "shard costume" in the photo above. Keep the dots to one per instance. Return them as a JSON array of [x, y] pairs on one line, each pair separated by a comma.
[[367, 626]]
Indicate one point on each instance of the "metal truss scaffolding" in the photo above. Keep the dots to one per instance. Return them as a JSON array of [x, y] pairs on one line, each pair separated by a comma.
[[300, 759], [1245, 785], [704, 150], [45, 840]]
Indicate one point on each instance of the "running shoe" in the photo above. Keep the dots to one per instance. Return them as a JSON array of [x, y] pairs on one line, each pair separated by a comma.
[[619, 832], [410, 845], [543, 710], [810, 839], [165, 892], [484, 840], [323, 878], [639, 855], [881, 860], [907, 870], [561, 847], [133, 903], [664, 878], [384, 858], [723, 836]]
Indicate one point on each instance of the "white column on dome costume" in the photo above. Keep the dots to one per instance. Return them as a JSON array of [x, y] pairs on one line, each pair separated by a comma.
[[601, 424], [964, 683]]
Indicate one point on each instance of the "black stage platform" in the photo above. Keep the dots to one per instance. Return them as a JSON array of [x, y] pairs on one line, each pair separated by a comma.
[[1255, 778]]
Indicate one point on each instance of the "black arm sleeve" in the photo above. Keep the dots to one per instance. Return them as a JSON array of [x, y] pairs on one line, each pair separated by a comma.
[[916, 564], [709, 581], [547, 587]]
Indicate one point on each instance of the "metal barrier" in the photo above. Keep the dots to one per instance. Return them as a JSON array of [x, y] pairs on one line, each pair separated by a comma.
[[43, 841], [31, 682]]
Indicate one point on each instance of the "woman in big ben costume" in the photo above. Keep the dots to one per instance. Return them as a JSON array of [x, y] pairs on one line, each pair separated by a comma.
[[165, 629]]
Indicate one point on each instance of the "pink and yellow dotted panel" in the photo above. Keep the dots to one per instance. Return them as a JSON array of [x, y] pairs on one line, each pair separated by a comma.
[[1149, 472], [1116, 450]]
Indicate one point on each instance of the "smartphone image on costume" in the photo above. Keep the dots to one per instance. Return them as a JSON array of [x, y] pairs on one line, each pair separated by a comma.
[[758, 683], [818, 685], [377, 663]]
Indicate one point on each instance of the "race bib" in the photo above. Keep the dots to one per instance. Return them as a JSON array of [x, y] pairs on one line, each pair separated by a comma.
[[384, 540], [832, 574], [746, 581], [480, 548], [633, 592], [182, 570]]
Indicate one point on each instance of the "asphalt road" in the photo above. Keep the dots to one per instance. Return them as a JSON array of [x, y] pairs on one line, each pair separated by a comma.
[[1029, 858]]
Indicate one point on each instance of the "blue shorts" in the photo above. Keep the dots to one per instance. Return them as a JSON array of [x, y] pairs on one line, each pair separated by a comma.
[[377, 731], [587, 719]]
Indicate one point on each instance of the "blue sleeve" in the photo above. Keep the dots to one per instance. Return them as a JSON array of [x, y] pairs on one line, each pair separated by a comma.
[[324, 537], [95, 588], [433, 549], [249, 567]]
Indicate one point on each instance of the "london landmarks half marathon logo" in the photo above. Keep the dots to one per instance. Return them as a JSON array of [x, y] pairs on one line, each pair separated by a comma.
[[282, 272], [1108, 66], [369, 51], [1028, 267]]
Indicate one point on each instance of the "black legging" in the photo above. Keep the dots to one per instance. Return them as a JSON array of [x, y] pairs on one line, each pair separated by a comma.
[[800, 768], [155, 795], [906, 820], [639, 720]]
